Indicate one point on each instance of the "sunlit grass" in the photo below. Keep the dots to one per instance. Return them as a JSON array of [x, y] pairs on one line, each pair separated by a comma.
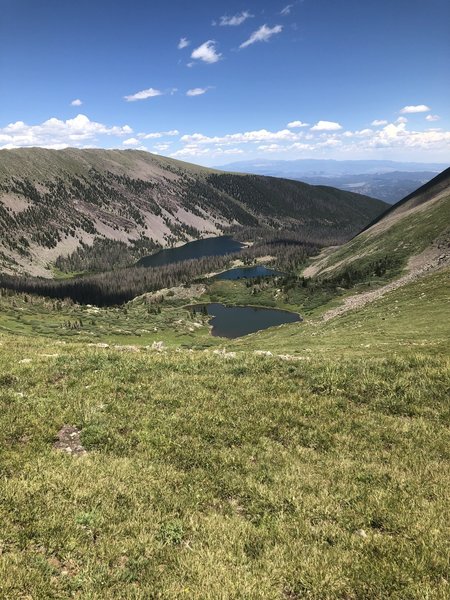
[[226, 476]]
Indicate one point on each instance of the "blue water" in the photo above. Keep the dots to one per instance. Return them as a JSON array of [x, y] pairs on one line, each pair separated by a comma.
[[248, 273], [236, 321], [217, 246]]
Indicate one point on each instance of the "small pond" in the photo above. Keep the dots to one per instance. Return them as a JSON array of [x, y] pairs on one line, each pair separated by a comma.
[[248, 273], [215, 246], [236, 321]]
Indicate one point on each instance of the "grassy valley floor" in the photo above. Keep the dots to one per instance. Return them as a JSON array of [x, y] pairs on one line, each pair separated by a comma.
[[321, 474]]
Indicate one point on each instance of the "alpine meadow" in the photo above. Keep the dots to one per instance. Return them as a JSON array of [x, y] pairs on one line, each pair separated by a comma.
[[224, 382]]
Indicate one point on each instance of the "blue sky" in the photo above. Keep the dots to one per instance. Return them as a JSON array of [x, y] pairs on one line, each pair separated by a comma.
[[216, 82]]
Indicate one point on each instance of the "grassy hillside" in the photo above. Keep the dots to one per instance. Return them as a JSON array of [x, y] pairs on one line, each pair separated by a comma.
[[417, 223], [232, 476], [129, 203], [144, 458]]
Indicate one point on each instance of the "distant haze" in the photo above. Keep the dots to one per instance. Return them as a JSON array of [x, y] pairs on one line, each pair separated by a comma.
[[384, 179]]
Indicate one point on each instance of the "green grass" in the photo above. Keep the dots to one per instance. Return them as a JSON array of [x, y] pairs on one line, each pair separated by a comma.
[[409, 236], [247, 477], [412, 317], [58, 274], [213, 478]]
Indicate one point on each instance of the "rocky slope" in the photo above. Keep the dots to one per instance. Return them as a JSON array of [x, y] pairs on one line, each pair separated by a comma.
[[54, 201], [415, 234]]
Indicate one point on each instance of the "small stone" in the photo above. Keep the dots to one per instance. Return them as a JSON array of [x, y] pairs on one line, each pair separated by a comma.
[[158, 346], [361, 533], [69, 440]]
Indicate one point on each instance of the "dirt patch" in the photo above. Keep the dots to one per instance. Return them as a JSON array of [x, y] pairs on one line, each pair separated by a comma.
[[68, 440], [432, 259], [176, 293], [319, 261]]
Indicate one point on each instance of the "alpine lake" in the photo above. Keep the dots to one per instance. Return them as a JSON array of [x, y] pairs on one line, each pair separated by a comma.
[[226, 321]]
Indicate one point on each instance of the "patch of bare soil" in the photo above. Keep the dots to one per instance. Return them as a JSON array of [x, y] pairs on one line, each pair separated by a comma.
[[176, 293], [318, 262], [69, 441], [432, 259]]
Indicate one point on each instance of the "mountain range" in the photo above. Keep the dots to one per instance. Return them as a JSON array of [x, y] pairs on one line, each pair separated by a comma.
[[52, 202], [384, 179], [415, 233]]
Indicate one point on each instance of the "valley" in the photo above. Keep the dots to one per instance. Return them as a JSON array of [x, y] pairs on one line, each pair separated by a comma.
[[224, 300], [278, 451]]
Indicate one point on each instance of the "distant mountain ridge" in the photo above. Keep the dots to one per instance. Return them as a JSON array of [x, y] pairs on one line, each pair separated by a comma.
[[52, 202], [329, 167], [415, 233], [386, 180]]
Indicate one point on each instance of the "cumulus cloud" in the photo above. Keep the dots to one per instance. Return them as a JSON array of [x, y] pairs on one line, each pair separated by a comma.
[[272, 148], [359, 133], [56, 133], [207, 52], [263, 34], [397, 136], [143, 95], [131, 142], [402, 120], [196, 91], [391, 139], [193, 150], [235, 20], [158, 134], [162, 147], [326, 126], [76, 102], [418, 108], [295, 124], [432, 118], [183, 43], [261, 135], [379, 122]]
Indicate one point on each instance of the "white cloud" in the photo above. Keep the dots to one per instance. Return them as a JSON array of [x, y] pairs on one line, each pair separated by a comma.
[[183, 43], [418, 108], [193, 150], [263, 34], [272, 148], [131, 142], [236, 19], [207, 52], [157, 134], [76, 102], [286, 10], [300, 146], [190, 150], [361, 133], [397, 136], [261, 135], [379, 122], [402, 120], [432, 118], [391, 140], [143, 95], [326, 126], [196, 91], [55, 133], [162, 147], [294, 124]]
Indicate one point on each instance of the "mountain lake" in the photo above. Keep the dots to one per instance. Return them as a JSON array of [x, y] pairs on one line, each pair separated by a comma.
[[214, 246], [236, 321]]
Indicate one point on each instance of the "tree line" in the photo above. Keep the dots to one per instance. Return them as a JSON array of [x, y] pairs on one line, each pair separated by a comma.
[[121, 285]]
